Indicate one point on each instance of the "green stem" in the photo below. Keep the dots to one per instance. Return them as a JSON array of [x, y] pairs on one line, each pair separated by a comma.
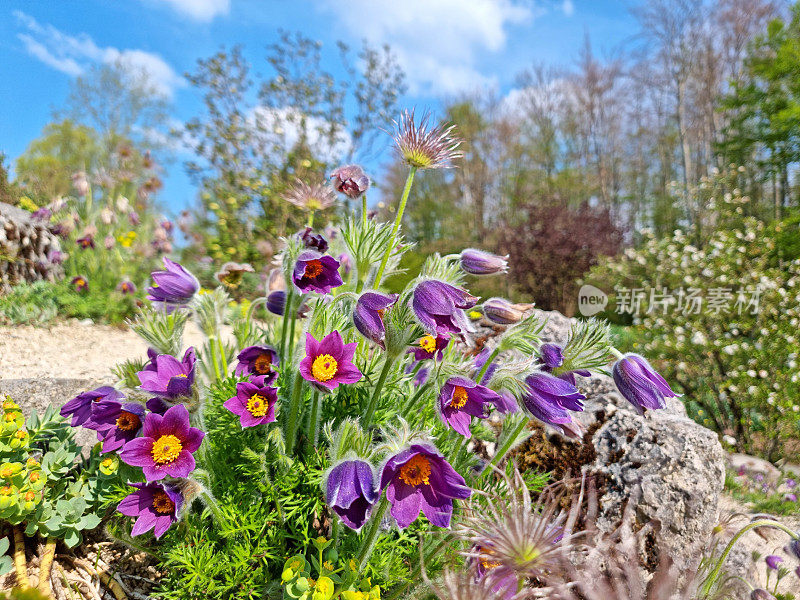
[[412, 402], [396, 593], [219, 518], [400, 210], [373, 401], [287, 310], [292, 323], [223, 357], [363, 209], [485, 366], [310, 222], [252, 308], [371, 535], [294, 414], [506, 447], [712, 577], [313, 422], [214, 361]]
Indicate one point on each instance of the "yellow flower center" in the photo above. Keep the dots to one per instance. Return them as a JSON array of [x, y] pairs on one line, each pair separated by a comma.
[[460, 397], [324, 367], [313, 269], [182, 375], [79, 282], [257, 405], [162, 503], [417, 158], [428, 343], [34, 477], [7, 472], [166, 449], [6, 490], [128, 421], [262, 364], [21, 434], [416, 471], [30, 497], [107, 463]]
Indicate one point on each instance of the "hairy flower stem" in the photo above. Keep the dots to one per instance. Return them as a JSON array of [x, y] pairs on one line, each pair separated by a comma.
[[364, 209], [505, 448], [371, 535], [485, 366], [412, 402], [219, 518], [400, 210], [313, 421], [252, 308], [310, 222], [414, 576], [215, 363], [287, 311], [713, 576], [294, 414], [373, 401]]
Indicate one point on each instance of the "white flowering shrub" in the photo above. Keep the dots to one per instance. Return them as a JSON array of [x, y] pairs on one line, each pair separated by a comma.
[[722, 321]]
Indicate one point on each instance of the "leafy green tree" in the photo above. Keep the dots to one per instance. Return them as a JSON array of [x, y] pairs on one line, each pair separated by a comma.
[[9, 192], [764, 108], [255, 138]]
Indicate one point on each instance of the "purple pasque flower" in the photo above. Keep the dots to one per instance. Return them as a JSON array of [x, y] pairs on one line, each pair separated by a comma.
[[329, 362], [421, 377], [368, 315], [42, 214], [640, 384], [56, 257], [166, 446], [773, 561], [315, 272], [790, 483], [480, 361], [80, 407], [549, 399], [460, 399], [169, 377], [155, 505], [257, 360], [440, 307], [116, 423], [503, 581], [126, 287], [350, 180], [478, 262], [174, 287], [86, 242], [351, 492], [420, 478], [254, 402], [345, 264], [429, 346], [80, 283], [790, 498]]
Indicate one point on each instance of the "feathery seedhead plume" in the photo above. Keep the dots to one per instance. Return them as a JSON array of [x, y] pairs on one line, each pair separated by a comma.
[[310, 196], [423, 146]]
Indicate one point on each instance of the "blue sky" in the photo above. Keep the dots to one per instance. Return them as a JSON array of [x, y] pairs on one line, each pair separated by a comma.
[[447, 47]]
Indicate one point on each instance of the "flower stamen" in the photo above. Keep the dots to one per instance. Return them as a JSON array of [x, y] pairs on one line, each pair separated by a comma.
[[127, 421], [324, 367], [162, 503], [257, 405], [313, 269], [428, 343], [166, 449], [460, 397], [262, 364], [416, 471]]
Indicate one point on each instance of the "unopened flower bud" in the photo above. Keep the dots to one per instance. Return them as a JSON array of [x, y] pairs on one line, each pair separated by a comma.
[[350, 181], [503, 312], [478, 262]]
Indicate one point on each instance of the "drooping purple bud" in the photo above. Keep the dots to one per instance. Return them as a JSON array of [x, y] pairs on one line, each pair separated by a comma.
[[478, 262], [174, 287], [640, 384], [350, 181], [761, 594], [552, 356], [503, 312], [312, 240], [368, 315], [773, 561], [351, 491], [315, 272], [276, 302], [439, 307]]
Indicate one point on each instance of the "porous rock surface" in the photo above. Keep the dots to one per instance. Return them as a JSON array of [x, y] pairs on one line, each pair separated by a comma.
[[671, 468], [25, 245]]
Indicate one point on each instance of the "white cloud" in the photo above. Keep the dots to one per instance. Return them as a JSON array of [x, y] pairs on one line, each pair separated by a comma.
[[199, 10], [282, 127], [568, 6], [74, 54], [436, 41]]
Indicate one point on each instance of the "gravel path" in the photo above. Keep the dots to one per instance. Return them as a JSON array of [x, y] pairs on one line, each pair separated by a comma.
[[71, 350]]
